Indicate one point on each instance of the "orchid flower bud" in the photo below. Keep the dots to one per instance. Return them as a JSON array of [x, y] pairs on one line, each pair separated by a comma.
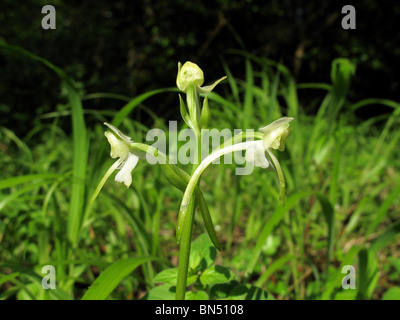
[[191, 74]]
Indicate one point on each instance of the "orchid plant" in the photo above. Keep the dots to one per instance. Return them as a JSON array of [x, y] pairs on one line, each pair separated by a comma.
[[259, 152]]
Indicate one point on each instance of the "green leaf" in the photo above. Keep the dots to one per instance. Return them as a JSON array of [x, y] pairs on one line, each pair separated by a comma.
[[184, 113], [170, 276], [392, 294], [179, 178], [80, 146], [368, 274], [167, 292], [8, 277], [198, 295], [348, 294], [329, 215], [112, 276], [11, 182], [205, 213], [205, 114], [216, 274], [202, 254], [341, 72], [249, 292], [383, 209], [396, 264], [222, 290], [131, 105], [271, 224], [163, 292], [391, 232], [272, 268]]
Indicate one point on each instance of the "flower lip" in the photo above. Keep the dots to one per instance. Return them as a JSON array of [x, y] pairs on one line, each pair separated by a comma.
[[125, 174], [255, 153]]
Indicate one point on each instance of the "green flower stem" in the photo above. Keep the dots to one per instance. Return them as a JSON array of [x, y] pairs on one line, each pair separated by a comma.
[[186, 221], [186, 215], [184, 209], [281, 177], [199, 196], [190, 78], [96, 192], [103, 180], [184, 253], [179, 178]]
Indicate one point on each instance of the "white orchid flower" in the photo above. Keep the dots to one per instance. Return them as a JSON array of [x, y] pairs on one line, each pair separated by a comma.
[[275, 135], [120, 148]]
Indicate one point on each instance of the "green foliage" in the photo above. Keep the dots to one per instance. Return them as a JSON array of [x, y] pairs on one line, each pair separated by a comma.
[[111, 277], [392, 294], [342, 206], [207, 279]]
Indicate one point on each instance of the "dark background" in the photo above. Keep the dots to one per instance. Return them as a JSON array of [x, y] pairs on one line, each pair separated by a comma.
[[129, 47]]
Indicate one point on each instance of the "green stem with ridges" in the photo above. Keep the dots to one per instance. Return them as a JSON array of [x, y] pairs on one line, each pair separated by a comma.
[[193, 102]]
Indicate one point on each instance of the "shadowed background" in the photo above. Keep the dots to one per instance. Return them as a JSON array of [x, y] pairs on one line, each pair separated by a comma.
[[129, 47]]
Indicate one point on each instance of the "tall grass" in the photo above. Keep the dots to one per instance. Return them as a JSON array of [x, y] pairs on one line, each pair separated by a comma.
[[341, 209]]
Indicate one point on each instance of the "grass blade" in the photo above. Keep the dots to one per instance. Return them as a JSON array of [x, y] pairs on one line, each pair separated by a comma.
[[102, 287]]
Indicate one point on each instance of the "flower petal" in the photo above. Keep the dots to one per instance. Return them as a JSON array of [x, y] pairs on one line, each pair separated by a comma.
[[125, 174], [256, 153], [208, 89], [119, 133]]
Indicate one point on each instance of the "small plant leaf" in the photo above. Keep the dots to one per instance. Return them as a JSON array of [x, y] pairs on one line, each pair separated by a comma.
[[202, 254], [216, 274], [222, 290], [170, 276], [198, 295], [163, 292], [205, 114], [249, 292], [184, 113], [392, 294], [102, 287]]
